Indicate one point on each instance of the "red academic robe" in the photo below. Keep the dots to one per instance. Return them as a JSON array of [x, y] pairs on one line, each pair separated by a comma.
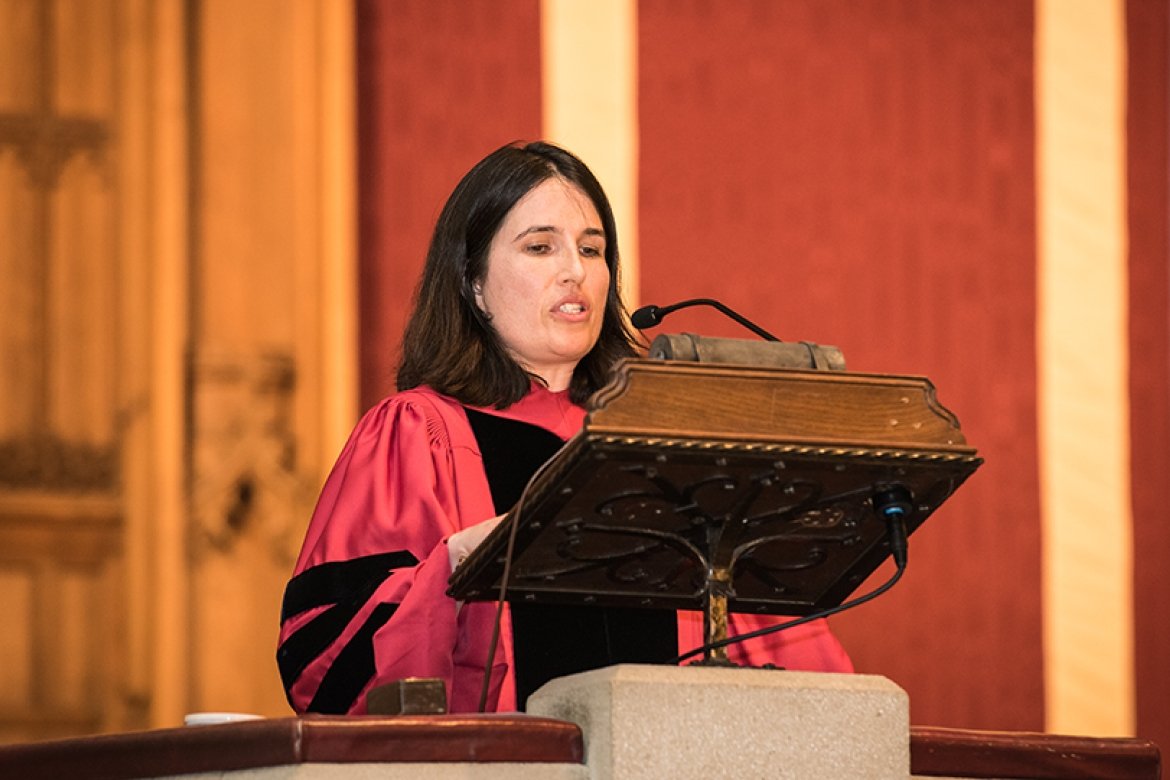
[[367, 602]]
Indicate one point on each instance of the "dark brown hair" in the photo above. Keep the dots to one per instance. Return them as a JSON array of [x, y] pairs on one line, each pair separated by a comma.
[[449, 344]]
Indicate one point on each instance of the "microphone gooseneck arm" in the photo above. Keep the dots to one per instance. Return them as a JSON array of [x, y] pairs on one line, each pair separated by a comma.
[[651, 315]]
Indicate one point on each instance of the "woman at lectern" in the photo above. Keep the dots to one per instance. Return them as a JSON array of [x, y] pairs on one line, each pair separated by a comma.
[[516, 321]]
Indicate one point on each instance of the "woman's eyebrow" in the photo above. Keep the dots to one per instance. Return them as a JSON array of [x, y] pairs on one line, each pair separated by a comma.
[[553, 229], [535, 229]]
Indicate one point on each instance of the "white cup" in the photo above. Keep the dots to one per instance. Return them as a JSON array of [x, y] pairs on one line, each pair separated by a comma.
[[212, 718]]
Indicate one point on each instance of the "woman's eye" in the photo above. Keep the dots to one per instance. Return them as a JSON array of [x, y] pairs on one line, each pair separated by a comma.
[[538, 249], [591, 251]]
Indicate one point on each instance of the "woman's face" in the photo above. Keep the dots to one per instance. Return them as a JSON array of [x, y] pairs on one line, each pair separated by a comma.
[[546, 280]]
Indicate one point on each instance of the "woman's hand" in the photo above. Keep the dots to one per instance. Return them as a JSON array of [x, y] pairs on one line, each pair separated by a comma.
[[461, 543]]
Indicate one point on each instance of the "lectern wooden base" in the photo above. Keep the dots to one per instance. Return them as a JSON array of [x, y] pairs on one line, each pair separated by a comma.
[[520, 747], [704, 722], [405, 747]]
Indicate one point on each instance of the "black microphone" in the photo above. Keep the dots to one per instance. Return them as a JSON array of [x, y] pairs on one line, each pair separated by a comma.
[[651, 315], [895, 504]]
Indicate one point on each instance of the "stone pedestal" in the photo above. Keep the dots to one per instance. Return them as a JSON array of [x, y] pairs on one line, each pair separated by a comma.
[[702, 722]]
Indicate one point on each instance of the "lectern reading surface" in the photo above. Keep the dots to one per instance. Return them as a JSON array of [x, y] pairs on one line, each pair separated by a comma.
[[753, 485]]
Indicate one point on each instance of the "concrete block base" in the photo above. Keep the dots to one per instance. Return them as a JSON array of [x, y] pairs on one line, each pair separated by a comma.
[[704, 722]]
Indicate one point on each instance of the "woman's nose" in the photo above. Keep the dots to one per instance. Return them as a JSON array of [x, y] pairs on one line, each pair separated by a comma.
[[572, 268]]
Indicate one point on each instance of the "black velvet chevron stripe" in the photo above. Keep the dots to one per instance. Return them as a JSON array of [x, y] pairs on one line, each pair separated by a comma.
[[330, 583], [353, 667], [311, 639], [347, 585], [512, 452], [552, 640]]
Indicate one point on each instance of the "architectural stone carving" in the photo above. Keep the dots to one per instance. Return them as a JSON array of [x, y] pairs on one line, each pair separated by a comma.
[[245, 477]]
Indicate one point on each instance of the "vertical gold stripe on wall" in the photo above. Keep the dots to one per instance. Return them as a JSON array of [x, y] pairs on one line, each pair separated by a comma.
[[1083, 367], [590, 104], [338, 250]]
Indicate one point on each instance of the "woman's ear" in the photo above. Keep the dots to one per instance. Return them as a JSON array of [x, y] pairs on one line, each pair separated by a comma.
[[477, 289]]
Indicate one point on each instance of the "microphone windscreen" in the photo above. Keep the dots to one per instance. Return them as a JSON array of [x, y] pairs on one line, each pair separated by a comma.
[[645, 317]]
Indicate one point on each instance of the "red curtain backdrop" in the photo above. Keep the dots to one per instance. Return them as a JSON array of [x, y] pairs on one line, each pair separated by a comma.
[[1148, 88], [861, 174], [439, 86], [858, 174]]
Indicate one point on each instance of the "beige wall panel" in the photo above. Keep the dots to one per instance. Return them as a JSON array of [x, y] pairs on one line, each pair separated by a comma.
[[94, 260], [84, 57], [326, 260], [76, 634], [18, 54], [249, 183], [19, 324], [153, 238], [163, 597], [1083, 401], [274, 255], [60, 554], [237, 616], [106, 687], [81, 306], [142, 256], [591, 105], [16, 641]]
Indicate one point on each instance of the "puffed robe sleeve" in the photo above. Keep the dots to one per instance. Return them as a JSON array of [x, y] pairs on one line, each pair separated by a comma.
[[367, 601]]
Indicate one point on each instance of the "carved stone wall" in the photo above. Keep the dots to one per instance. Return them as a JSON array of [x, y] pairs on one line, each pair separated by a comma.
[[60, 451], [271, 395], [250, 499], [57, 338], [176, 346], [245, 478]]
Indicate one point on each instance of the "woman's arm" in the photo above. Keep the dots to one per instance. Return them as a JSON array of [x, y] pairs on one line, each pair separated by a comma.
[[367, 603]]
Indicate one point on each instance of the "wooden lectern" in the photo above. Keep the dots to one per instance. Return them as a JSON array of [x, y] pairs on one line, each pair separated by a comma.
[[725, 488]]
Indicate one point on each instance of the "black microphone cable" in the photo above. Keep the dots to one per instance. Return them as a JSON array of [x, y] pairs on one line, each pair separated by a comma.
[[513, 520]]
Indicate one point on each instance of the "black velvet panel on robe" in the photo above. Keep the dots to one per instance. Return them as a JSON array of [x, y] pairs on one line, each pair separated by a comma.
[[552, 640]]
